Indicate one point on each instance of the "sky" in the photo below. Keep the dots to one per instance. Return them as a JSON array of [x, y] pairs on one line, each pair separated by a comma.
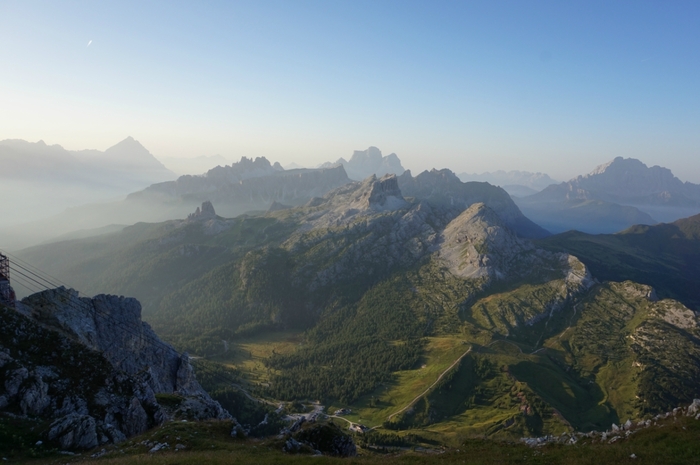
[[557, 87]]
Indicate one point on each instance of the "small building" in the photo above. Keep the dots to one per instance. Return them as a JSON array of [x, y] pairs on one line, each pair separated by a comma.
[[358, 428]]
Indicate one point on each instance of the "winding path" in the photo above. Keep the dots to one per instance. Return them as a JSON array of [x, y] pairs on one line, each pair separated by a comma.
[[431, 386]]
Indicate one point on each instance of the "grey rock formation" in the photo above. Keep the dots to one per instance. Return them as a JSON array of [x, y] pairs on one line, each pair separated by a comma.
[[61, 380], [206, 212], [112, 326], [369, 229], [365, 163], [477, 244], [94, 370], [74, 431]]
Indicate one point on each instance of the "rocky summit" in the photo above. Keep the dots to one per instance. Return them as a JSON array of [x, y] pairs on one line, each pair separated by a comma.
[[365, 163]]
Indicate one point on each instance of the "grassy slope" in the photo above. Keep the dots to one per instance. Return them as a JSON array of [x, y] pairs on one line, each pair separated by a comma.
[[665, 256]]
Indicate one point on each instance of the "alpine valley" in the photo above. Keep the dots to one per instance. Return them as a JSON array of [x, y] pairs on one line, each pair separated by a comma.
[[418, 313]]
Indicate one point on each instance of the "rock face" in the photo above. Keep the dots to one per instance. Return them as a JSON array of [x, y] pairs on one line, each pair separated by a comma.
[[112, 326], [207, 212], [477, 244], [94, 369], [365, 163], [380, 195]]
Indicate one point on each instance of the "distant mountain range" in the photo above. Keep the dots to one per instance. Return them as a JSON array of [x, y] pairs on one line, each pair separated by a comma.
[[237, 188], [365, 163], [39, 180], [613, 197], [193, 165], [516, 183], [124, 166]]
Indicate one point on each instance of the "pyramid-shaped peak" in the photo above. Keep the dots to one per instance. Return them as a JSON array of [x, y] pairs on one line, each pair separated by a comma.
[[478, 244], [129, 148]]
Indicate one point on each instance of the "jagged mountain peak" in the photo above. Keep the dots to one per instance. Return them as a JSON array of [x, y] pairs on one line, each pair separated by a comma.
[[350, 202], [244, 169], [437, 176], [620, 166], [206, 212], [364, 163], [379, 194]]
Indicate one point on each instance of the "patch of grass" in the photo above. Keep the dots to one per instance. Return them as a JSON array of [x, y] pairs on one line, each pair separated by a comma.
[[248, 354], [374, 408]]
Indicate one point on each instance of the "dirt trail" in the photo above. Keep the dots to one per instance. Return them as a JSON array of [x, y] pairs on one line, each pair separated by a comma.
[[431, 386]]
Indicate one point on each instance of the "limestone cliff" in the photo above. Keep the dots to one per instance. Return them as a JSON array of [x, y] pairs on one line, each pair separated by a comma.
[[91, 368]]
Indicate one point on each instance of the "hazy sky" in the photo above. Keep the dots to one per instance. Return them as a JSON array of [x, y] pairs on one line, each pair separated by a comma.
[[554, 86]]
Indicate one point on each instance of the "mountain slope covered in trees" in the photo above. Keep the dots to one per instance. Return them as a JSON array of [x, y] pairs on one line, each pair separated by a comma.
[[418, 302]]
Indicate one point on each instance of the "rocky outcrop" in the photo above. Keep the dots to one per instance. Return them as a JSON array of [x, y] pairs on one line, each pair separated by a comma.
[[112, 326], [94, 369], [379, 194], [206, 212], [617, 432], [326, 438], [87, 400], [477, 244]]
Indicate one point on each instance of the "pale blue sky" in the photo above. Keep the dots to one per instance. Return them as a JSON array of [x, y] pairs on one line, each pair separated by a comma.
[[542, 86]]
